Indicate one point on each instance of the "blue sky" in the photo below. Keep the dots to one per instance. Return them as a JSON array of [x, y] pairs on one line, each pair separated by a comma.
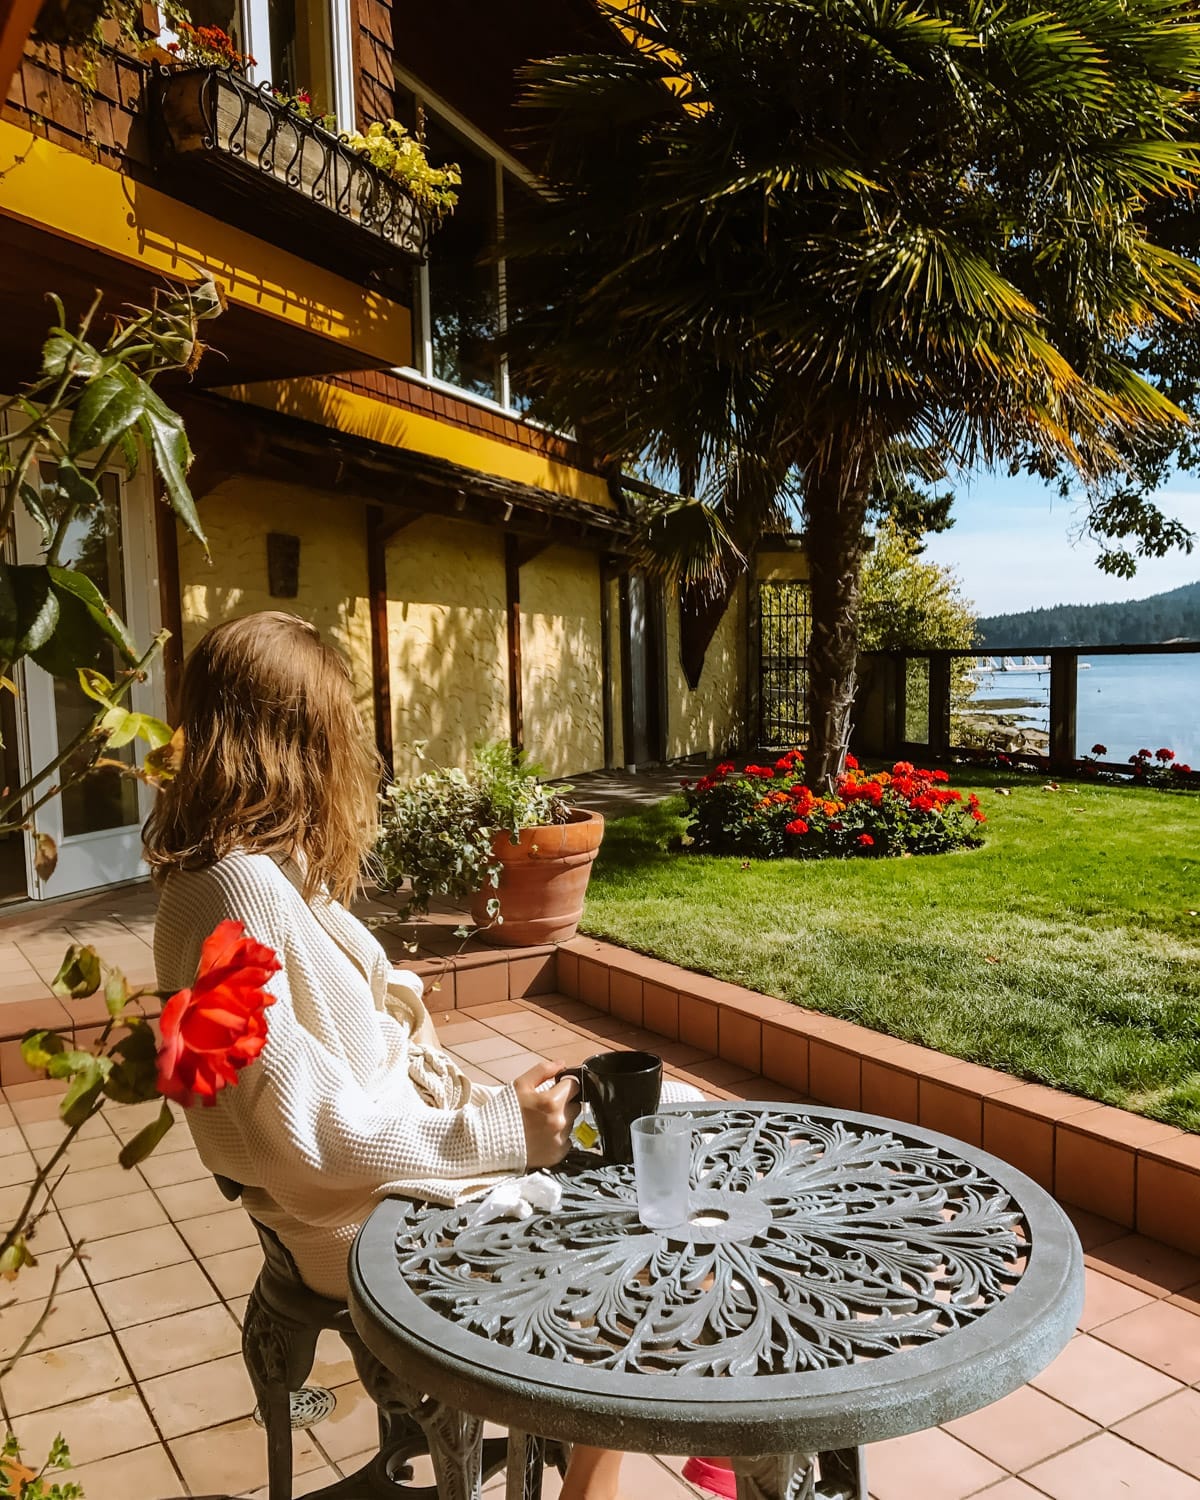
[[1016, 545]]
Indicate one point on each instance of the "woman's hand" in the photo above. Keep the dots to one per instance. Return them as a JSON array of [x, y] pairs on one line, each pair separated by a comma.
[[547, 1114]]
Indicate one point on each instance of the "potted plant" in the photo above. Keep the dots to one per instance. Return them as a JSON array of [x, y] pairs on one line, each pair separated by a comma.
[[496, 836]]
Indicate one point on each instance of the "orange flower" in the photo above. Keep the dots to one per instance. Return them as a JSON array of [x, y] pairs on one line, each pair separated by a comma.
[[210, 1032]]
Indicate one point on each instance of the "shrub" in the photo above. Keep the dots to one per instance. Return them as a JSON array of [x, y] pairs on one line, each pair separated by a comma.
[[767, 812]]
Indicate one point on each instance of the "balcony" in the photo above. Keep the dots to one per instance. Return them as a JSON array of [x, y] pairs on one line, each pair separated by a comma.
[[282, 176]]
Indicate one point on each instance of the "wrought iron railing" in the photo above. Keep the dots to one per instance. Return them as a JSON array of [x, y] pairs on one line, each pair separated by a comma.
[[217, 124]]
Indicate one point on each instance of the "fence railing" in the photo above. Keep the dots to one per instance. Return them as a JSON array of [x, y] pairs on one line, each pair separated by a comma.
[[921, 701]]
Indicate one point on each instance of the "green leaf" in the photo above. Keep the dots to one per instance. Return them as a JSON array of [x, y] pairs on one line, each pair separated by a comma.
[[86, 1086], [63, 348], [79, 975], [29, 610], [87, 625], [77, 487], [39, 1048], [68, 1062], [116, 993], [96, 686], [140, 1147], [32, 497], [134, 1075], [109, 405], [163, 431], [17, 1255]]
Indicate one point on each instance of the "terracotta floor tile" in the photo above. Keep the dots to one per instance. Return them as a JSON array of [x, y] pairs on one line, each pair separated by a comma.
[[173, 1167], [1022, 1429], [34, 1282], [49, 1133], [18, 1168], [213, 1233], [302, 1484], [95, 1186], [99, 1221], [155, 1294], [508, 1068], [1107, 1468], [1106, 1298], [147, 1474], [453, 1031], [131, 1254], [1188, 1298], [1011, 1489], [545, 1039], [64, 1374], [931, 1464], [191, 1200], [97, 1427], [1103, 1384], [488, 1048], [334, 1365], [200, 1397], [180, 1341], [1146, 1264], [232, 1460], [74, 1316], [1092, 1229], [475, 1073], [353, 1424], [1160, 1335], [1170, 1430], [235, 1271], [82, 1156]]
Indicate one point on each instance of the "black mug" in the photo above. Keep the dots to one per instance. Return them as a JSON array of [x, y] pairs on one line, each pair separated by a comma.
[[620, 1087]]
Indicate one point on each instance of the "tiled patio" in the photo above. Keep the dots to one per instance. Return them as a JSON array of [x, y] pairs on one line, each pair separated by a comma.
[[139, 1364]]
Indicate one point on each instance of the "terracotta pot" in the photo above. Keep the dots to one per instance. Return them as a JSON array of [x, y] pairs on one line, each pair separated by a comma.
[[542, 884]]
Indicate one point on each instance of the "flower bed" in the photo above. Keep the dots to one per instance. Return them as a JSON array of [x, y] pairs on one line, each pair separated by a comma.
[[767, 812]]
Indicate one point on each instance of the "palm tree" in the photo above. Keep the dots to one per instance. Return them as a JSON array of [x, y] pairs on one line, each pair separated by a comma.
[[786, 239]]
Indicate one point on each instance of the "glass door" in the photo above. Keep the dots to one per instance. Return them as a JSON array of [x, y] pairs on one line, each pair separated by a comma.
[[95, 823]]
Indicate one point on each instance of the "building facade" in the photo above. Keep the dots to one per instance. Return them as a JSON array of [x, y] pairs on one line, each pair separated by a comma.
[[362, 456]]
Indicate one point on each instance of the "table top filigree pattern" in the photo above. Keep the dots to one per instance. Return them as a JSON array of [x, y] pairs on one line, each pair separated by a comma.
[[813, 1242]]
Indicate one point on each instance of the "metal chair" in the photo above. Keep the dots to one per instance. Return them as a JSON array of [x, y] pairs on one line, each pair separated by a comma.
[[284, 1319]]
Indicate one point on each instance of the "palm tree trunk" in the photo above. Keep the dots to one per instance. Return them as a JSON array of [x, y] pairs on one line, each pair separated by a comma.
[[836, 515]]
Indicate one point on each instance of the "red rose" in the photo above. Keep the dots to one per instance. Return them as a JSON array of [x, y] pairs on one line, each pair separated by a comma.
[[797, 826], [214, 1029]]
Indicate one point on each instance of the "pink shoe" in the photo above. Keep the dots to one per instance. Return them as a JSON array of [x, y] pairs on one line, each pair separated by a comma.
[[712, 1475]]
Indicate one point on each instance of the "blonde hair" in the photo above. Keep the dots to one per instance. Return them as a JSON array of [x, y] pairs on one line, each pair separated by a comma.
[[275, 759]]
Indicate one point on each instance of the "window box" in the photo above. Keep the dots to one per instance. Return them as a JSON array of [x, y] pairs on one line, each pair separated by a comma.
[[248, 144]]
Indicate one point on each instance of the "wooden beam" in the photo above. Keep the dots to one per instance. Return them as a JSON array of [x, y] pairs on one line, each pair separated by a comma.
[[166, 540], [512, 603], [381, 667]]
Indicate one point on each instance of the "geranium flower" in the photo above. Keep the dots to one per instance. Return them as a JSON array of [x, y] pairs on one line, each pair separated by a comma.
[[865, 841], [797, 826], [1099, 749], [211, 1031], [903, 768], [851, 763], [1164, 755], [978, 816]]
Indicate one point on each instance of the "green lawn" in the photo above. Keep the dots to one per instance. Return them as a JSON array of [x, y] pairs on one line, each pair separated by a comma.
[[1066, 950]]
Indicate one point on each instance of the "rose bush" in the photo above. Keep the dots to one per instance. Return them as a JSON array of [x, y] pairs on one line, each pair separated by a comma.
[[767, 812]]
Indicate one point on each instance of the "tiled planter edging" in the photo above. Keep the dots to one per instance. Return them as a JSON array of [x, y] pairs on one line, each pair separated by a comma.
[[1136, 1171]]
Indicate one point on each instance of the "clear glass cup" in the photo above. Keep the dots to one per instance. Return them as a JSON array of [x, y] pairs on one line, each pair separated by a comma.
[[662, 1163]]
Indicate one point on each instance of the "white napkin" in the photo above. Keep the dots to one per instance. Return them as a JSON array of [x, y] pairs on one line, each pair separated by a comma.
[[518, 1198]]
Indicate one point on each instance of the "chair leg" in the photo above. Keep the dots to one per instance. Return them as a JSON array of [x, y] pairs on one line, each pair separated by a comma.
[[279, 1356]]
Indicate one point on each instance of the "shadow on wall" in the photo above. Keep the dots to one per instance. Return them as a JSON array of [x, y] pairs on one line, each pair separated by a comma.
[[561, 661], [332, 579], [713, 718]]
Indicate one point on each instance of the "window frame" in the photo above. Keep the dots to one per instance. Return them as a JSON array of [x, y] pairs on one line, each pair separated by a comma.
[[503, 162]]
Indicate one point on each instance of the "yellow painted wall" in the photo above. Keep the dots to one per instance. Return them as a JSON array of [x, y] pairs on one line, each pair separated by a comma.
[[782, 567], [712, 718], [561, 660], [237, 515], [447, 640]]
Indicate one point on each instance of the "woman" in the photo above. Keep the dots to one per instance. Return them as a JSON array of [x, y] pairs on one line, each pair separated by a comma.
[[268, 822]]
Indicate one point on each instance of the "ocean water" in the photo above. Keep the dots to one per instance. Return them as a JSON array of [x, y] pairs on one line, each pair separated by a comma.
[[1127, 703]]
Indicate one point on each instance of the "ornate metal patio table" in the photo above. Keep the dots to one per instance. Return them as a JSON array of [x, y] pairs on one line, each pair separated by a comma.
[[841, 1279]]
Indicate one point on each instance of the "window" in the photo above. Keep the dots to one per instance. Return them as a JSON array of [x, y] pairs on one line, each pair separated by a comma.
[[462, 299]]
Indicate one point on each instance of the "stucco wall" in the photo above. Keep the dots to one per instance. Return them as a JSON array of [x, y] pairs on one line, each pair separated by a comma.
[[617, 679], [561, 660], [447, 640], [236, 516], [712, 718]]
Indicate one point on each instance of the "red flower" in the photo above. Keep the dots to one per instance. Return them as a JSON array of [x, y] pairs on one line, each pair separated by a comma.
[[902, 768], [797, 826], [865, 840], [1164, 755], [684, 783], [939, 775], [1099, 749], [764, 773], [1184, 770], [1141, 755], [978, 816], [851, 763], [723, 769], [214, 1029]]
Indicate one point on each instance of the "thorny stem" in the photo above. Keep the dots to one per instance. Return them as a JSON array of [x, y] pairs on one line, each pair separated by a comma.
[[47, 1308], [134, 674], [40, 1180]]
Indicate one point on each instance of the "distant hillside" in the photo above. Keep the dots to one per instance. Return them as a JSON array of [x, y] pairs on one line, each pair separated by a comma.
[[1174, 615]]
